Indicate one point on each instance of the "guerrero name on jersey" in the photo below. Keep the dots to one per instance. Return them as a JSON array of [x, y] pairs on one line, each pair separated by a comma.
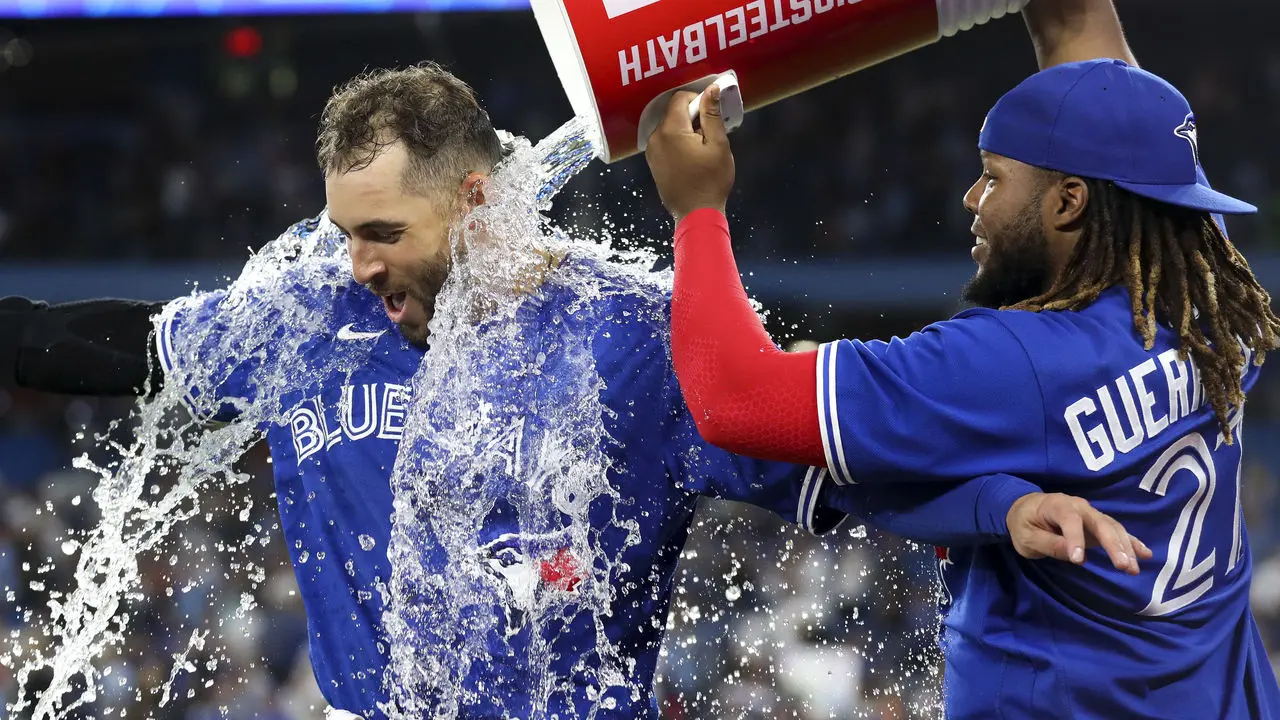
[[1072, 402]]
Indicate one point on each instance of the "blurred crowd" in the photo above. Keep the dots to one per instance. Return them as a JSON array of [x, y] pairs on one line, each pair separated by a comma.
[[151, 141], [218, 591], [131, 140], [767, 621]]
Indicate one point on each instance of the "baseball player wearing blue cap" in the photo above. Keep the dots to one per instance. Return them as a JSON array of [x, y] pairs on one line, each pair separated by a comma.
[[1115, 335]]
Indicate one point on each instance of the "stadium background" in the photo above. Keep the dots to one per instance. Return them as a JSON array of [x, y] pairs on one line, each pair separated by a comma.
[[140, 154]]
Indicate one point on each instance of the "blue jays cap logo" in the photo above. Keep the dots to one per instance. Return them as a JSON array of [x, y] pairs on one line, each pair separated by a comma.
[[1187, 131]]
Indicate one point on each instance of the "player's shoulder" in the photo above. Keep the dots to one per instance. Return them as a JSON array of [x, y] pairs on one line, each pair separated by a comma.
[[308, 266], [1099, 324], [303, 278], [618, 296], [968, 334], [1085, 348], [1001, 346], [624, 309]]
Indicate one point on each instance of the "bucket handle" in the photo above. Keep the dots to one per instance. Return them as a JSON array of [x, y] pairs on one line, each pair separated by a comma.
[[731, 106]]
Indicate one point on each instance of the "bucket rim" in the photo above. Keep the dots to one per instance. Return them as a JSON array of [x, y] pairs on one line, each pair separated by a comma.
[[561, 41]]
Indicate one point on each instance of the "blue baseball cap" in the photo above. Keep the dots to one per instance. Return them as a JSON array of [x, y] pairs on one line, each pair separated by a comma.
[[1107, 120]]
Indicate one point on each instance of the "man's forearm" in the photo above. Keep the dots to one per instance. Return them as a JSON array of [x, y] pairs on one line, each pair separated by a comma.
[[1064, 31], [91, 347], [746, 395], [969, 513]]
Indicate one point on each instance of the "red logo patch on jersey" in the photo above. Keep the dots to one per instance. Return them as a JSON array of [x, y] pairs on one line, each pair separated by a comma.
[[561, 571], [944, 561]]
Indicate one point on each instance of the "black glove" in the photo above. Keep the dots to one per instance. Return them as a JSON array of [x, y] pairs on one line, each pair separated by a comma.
[[15, 315], [88, 347]]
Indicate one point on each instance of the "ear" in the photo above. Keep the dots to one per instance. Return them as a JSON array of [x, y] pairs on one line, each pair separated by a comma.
[[1065, 203], [472, 191]]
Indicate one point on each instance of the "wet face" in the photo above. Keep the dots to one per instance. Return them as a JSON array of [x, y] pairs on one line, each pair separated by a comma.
[[1013, 251], [398, 241]]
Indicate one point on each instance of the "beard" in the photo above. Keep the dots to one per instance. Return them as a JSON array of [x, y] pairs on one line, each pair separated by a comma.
[[1017, 266], [425, 286]]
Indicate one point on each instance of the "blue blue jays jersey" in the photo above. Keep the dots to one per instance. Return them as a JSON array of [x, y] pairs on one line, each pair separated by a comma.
[[1072, 402], [334, 445]]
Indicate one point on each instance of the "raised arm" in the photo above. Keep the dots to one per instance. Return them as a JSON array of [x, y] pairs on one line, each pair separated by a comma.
[[1064, 31], [90, 347], [747, 396], [870, 412]]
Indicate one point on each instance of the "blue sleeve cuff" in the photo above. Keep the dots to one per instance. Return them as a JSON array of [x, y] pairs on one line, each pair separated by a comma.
[[168, 355], [813, 514], [996, 498]]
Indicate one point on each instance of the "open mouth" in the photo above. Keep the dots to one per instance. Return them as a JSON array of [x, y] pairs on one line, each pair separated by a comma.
[[395, 304]]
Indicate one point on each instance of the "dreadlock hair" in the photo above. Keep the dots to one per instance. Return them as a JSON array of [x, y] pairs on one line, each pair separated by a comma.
[[1181, 271]]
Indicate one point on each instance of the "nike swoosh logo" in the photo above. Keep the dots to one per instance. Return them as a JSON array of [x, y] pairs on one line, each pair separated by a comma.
[[347, 333]]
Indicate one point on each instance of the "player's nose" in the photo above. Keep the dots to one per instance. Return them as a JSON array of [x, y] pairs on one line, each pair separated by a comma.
[[366, 265], [972, 196]]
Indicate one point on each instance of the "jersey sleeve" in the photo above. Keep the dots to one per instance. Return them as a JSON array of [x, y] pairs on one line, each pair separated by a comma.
[[205, 350], [793, 492], [955, 401], [972, 512]]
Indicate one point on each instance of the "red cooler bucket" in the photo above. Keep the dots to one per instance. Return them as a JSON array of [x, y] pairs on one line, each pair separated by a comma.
[[617, 58]]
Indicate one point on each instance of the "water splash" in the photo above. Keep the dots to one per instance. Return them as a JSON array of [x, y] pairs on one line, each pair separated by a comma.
[[543, 570], [440, 618], [559, 157], [157, 482], [517, 534]]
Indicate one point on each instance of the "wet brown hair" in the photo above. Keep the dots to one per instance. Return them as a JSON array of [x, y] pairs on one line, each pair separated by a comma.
[[436, 116]]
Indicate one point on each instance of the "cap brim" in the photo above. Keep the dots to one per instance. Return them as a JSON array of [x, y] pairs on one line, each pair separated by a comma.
[[1194, 196]]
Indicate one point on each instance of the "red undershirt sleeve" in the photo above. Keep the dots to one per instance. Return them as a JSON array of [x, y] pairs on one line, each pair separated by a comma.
[[745, 394]]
